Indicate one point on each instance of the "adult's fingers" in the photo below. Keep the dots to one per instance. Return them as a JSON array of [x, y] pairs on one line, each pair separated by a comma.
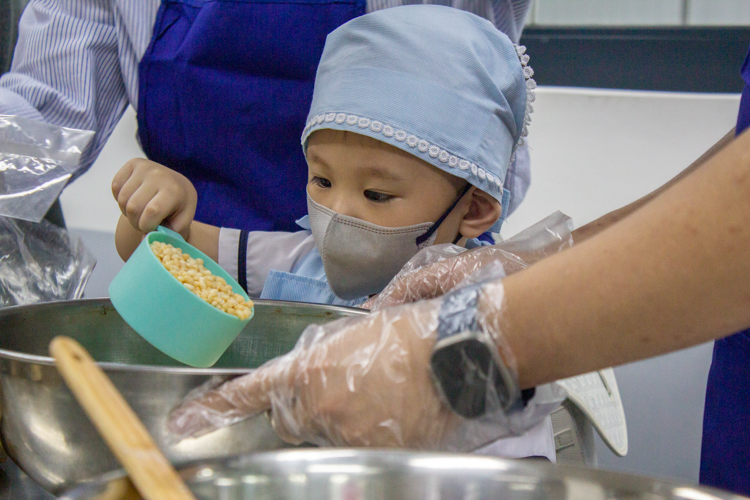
[[288, 430], [229, 403], [249, 394], [423, 283]]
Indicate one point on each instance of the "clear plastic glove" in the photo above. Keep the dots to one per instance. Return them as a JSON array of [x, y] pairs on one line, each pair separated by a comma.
[[437, 269], [364, 382]]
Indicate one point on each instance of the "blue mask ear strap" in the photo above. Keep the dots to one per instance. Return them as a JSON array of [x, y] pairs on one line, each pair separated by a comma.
[[426, 236]]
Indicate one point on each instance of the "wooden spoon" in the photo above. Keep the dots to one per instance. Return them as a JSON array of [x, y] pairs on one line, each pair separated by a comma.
[[124, 433]]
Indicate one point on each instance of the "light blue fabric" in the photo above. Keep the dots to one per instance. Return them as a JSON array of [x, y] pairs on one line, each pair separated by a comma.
[[304, 222], [442, 84], [305, 283], [307, 280]]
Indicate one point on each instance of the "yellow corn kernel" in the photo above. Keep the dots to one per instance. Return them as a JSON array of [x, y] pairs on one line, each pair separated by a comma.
[[199, 280]]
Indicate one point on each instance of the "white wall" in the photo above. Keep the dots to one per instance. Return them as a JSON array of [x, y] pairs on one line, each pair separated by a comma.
[[592, 152], [88, 203], [639, 13]]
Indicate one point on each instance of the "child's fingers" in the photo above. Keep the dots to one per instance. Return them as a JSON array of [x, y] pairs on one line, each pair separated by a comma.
[[137, 203], [122, 176], [180, 219], [126, 191], [160, 206]]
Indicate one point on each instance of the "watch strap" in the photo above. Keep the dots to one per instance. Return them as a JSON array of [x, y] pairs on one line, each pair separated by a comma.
[[464, 356], [458, 312]]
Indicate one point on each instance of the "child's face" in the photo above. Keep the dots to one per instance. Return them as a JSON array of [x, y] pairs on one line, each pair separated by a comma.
[[361, 177]]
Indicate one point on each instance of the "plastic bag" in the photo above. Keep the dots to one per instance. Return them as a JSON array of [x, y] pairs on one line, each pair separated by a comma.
[[40, 262], [36, 161]]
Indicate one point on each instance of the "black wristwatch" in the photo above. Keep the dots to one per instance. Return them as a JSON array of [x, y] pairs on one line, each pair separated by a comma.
[[469, 372]]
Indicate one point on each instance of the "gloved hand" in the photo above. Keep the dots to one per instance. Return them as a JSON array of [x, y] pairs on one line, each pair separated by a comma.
[[363, 381], [357, 381], [438, 269]]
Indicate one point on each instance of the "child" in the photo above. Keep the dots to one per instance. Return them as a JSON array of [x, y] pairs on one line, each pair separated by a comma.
[[416, 115]]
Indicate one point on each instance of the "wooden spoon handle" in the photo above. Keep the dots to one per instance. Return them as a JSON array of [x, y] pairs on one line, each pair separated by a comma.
[[124, 433]]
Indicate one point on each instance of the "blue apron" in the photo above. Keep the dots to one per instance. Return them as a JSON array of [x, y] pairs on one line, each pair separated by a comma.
[[224, 90], [725, 453]]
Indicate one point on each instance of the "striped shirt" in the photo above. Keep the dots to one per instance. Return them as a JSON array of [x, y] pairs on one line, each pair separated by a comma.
[[76, 61]]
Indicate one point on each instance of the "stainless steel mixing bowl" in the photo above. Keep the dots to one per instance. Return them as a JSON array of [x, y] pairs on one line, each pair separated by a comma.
[[47, 434], [317, 474]]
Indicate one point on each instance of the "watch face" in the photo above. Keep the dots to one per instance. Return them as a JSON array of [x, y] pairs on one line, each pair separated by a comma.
[[466, 372]]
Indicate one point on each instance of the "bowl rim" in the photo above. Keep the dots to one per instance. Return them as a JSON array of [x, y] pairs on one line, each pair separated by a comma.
[[104, 302], [514, 468]]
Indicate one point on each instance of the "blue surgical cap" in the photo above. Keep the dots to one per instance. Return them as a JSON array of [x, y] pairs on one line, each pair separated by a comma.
[[440, 83]]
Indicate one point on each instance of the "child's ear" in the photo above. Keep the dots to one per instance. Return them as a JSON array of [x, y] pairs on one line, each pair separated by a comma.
[[483, 212]]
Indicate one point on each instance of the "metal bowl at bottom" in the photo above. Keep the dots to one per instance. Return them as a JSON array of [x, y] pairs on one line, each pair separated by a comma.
[[344, 474], [45, 431]]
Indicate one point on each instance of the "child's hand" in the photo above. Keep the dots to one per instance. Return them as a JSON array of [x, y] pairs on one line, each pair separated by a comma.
[[150, 194]]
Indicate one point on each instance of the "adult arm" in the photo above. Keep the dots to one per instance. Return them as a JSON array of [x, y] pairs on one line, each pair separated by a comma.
[[603, 222], [66, 69], [670, 275]]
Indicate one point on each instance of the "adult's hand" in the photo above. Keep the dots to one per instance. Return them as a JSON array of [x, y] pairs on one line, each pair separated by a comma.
[[365, 382], [436, 270], [356, 382]]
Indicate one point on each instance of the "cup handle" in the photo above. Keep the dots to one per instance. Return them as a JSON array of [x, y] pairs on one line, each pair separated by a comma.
[[169, 232]]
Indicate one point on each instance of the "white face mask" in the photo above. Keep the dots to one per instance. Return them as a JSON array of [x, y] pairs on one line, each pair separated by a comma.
[[360, 258]]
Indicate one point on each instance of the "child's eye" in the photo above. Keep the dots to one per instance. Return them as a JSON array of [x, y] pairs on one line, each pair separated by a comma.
[[377, 197], [320, 181]]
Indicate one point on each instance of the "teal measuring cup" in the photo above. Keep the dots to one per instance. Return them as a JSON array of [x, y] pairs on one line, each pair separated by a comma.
[[168, 315]]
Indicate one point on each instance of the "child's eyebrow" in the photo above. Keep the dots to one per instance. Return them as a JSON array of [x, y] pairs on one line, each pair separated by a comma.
[[314, 158], [382, 173]]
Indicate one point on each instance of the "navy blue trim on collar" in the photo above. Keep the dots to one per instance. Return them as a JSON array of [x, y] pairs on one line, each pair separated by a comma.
[[242, 260]]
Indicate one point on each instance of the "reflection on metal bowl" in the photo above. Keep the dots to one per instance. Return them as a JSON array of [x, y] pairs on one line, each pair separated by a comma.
[[321, 474], [47, 434]]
